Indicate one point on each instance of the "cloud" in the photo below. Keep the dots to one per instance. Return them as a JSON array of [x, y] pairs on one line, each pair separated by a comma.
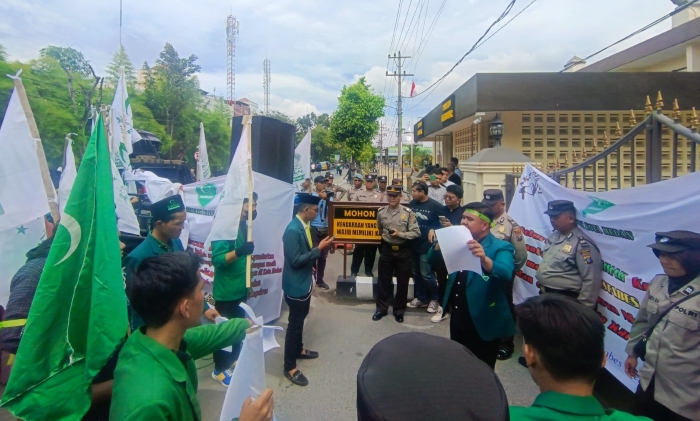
[[318, 46]]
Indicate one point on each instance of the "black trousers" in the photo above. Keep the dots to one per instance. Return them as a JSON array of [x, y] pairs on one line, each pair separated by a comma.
[[441, 276], [393, 263], [646, 406], [316, 236], [368, 252], [507, 343], [466, 334], [293, 343], [231, 310]]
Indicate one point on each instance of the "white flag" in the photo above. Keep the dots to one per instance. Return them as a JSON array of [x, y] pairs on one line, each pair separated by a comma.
[[157, 188], [127, 221], [228, 212], [203, 169], [122, 125], [249, 376], [67, 176], [302, 161], [23, 201]]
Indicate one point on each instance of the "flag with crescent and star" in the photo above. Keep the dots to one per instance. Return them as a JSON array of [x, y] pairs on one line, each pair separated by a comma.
[[78, 316]]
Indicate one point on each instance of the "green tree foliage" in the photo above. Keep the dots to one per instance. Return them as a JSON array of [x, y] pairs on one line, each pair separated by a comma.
[[278, 115], [3, 53], [354, 124], [121, 59], [173, 96]]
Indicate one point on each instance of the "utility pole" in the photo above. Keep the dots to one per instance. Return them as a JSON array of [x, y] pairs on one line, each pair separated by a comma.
[[399, 62]]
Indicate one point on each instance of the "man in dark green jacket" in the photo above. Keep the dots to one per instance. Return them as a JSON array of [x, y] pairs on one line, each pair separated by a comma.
[[229, 260], [297, 283], [564, 349], [479, 307], [167, 222], [156, 376]]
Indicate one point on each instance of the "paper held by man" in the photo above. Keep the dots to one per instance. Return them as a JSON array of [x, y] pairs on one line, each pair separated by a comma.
[[455, 250]]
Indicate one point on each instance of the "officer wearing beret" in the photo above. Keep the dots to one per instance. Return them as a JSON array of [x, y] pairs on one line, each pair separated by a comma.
[[356, 186], [397, 225], [669, 318], [505, 228], [571, 263], [167, 222]]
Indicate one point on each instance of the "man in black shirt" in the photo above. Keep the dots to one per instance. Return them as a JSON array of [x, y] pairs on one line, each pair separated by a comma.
[[453, 177], [427, 213], [451, 215]]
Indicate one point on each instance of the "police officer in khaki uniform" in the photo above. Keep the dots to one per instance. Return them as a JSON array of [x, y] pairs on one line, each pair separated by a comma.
[[571, 263], [506, 229], [406, 197], [382, 186], [669, 386], [357, 186], [366, 252], [339, 191], [397, 225]]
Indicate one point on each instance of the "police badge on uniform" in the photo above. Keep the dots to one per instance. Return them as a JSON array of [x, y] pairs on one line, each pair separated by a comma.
[[501, 229], [567, 248]]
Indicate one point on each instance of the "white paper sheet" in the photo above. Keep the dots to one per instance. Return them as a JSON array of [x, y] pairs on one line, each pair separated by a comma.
[[455, 251]]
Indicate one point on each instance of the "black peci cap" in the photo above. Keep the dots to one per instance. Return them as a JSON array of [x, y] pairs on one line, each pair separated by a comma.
[[676, 241], [164, 207], [309, 199], [462, 387], [492, 196], [556, 207]]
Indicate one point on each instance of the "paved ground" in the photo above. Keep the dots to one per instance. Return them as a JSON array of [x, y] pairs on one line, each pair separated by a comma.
[[343, 332]]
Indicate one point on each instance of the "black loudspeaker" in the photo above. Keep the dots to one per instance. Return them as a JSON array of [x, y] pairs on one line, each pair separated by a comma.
[[273, 146]]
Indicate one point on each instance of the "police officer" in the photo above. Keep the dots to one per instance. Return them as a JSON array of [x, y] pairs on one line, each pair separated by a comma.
[[382, 185], [506, 229], [405, 196], [397, 225], [368, 194], [339, 191], [368, 252], [571, 263], [357, 186], [669, 317]]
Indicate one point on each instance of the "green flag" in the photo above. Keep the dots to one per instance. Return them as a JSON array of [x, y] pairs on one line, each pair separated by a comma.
[[78, 315]]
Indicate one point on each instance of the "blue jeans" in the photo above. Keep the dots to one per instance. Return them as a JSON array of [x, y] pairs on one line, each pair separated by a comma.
[[424, 282]]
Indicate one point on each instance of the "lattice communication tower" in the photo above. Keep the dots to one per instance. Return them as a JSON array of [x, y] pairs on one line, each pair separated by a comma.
[[266, 85], [231, 40]]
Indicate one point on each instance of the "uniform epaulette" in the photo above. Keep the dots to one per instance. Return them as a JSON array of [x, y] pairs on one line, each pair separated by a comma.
[[513, 222], [382, 208], [407, 209], [585, 242]]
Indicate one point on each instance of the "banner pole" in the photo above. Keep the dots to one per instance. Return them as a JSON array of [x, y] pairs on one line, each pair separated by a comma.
[[249, 260]]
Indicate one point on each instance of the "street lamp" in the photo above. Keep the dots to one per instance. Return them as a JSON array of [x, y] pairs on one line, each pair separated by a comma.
[[496, 130]]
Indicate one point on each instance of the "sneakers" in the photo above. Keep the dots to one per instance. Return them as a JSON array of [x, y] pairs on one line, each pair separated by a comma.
[[433, 306], [223, 377], [416, 303], [439, 316]]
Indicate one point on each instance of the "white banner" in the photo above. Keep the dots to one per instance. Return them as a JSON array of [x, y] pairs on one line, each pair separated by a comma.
[[275, 207], [68, 174], [122, 125], [203, 170], [302, 161], [622, 223]]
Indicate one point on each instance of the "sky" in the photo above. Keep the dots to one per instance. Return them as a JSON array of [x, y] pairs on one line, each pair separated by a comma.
[[318, 46]]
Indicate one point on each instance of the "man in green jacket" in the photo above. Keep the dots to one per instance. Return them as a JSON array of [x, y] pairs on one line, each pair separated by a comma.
[[229, 260], [167, 222], [564, 350], [479, 307], [156, 376]]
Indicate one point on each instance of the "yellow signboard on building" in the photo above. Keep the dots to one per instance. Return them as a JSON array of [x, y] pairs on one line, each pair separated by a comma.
[[354, 223]]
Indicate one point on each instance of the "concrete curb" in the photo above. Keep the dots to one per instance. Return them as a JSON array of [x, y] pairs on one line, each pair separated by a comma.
[[363, 287]]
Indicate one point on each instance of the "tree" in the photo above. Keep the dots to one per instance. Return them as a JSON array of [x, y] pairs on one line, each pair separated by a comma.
[[354, 123], [78, 70], [278, 115], [323, 146], [3, 53], [121, 59], [173, 95], [309, 122]]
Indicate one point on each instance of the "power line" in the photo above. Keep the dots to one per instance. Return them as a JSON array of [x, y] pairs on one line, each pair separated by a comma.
[[500, 18], [637, 32]]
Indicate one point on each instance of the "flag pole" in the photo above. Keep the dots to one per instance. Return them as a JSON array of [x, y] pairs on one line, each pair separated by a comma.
[[34, 131], [249, 260], [123, 101]]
